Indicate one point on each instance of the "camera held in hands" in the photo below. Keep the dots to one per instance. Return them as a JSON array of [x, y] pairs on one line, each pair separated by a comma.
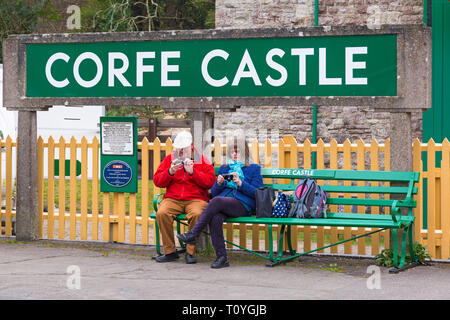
[[177, 162], [228, 177]]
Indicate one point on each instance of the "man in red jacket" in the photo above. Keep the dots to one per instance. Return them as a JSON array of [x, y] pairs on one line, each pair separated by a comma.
[[187, 176]]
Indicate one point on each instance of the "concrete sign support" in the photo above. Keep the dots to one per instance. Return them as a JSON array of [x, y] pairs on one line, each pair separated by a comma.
[[27, 182], [387, 68]]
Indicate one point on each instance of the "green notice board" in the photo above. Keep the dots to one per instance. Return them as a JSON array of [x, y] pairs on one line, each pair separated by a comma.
[[118, 154]]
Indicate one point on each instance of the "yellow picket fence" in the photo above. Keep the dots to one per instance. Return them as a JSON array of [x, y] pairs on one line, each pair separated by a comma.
[[432, 227], [87, 214], [7, 214], [76, 203]]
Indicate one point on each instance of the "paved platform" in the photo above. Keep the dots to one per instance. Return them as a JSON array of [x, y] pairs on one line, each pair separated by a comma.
[[74, 270]]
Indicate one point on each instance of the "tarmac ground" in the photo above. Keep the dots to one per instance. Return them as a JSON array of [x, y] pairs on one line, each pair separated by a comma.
[[65, 270]]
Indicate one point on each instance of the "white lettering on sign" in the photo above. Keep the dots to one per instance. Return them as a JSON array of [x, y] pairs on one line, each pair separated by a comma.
[[212, 54], [48, 70], [246, 68], [302, 53], [117, 73], [323, 80], [276, 66], [350, 65], [246, 62], [166, 68], [294, 172], [141, 68], [76, 69]]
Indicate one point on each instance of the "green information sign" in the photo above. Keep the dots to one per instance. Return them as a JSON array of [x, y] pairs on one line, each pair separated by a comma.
[[118, 157], [359, 65]]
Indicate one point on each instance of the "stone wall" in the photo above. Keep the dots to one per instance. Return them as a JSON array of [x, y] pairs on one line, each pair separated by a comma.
[[339, 123]]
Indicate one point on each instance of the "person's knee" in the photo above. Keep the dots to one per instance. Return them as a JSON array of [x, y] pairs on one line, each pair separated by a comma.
[[162, 214]]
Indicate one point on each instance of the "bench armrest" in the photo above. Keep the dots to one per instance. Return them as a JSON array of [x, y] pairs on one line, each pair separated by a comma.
[[395, 210], [156, 202]]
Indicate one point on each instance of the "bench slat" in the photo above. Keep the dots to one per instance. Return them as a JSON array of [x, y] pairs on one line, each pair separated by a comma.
[[327, 174], [348, 189], [370, 202]]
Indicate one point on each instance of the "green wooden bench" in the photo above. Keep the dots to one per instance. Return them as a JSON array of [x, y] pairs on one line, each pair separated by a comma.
[[399, 216]]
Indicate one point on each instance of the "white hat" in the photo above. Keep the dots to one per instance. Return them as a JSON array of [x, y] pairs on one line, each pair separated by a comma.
[[182, 140]]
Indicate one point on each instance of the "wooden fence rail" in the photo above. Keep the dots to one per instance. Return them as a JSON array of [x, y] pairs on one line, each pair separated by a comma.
[[74, 208]]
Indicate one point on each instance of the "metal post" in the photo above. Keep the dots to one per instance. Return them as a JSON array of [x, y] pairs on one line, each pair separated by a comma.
[[314, 128]]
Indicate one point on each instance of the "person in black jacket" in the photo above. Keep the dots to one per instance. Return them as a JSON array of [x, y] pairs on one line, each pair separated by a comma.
[[233, 196]]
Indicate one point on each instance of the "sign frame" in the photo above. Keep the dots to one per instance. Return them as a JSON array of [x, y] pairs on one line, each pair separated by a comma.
[[413, 69]]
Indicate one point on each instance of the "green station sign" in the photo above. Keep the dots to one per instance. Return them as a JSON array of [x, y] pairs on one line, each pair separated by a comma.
[[353, 65], [118, 157]]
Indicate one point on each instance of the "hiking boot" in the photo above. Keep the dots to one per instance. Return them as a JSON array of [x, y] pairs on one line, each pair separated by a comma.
[[167, 257], [190, 259], [221, 262], [187, 237]]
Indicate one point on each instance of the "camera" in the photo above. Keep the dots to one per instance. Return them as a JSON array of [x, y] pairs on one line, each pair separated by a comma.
[[177, 162], [228, 177]]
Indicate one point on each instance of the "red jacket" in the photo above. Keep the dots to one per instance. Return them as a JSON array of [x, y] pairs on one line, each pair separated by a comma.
[[183, 186]]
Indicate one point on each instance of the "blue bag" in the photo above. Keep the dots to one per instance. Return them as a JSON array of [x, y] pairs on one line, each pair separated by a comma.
[[282, 206]]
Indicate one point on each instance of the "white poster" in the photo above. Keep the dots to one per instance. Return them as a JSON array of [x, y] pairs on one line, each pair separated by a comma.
[[117, 138]]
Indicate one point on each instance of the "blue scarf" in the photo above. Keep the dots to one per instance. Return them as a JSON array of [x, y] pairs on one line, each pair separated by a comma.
[[235, 166]]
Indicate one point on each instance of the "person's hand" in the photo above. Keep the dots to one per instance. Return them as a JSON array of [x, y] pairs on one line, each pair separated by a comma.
[[236, 179], [189, 166], [175, 167], [220, 179]]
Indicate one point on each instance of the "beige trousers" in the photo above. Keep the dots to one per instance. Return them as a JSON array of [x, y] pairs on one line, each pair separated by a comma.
[[168, 210]]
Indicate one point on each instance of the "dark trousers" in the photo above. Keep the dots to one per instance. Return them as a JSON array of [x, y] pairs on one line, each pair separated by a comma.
[[218, 209]]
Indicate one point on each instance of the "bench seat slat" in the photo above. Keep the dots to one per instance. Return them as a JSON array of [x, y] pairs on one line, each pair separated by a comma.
[[369, 202], [333, 220]]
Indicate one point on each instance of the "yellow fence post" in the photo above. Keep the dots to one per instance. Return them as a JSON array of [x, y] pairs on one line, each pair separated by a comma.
[[40, 159], [62, 189], [84, 188], [418, 212], [95, 187], [51, 189], [361, 165], [320, 164], [374, 165], [445, 199]]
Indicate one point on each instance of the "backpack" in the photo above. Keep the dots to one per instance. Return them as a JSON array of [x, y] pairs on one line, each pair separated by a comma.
[[309, 200], [281, 206]]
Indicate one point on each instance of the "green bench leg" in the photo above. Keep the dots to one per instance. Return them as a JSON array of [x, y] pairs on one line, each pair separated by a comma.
[[289, 239], [279, 259], [406, 235], [270, 242], [158, 246]]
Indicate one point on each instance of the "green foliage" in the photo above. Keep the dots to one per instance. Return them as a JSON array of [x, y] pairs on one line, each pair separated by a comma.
[[21, 17], [147, 15], [138, 111], [386, 257]]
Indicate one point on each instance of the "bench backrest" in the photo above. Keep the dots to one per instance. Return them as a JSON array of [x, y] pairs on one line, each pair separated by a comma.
[[350, 187]]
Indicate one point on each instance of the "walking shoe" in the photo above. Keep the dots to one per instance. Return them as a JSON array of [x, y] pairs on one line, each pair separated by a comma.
[[187, 237], [221, 262], [167, 257], [190, 259]]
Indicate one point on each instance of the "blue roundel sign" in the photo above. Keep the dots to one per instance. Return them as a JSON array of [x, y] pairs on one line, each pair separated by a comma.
[[117, 173]]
